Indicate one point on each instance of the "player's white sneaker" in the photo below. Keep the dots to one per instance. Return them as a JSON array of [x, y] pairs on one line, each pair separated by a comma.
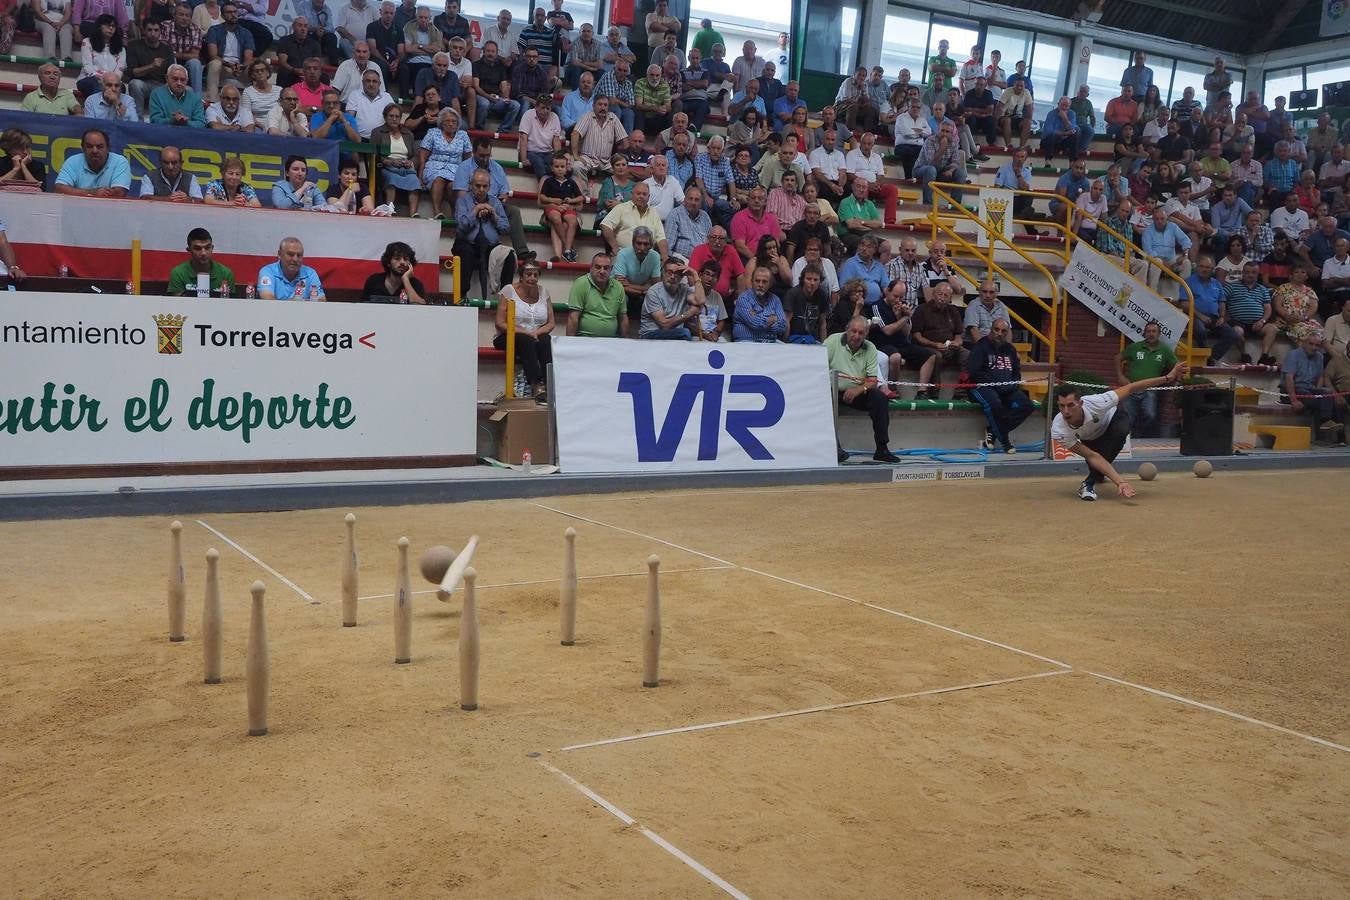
[[1087, 491]]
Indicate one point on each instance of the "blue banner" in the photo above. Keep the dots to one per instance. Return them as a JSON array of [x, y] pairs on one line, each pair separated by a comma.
[[57, 137]]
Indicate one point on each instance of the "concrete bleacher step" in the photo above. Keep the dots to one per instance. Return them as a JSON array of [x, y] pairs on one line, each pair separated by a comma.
[[1286, 437]]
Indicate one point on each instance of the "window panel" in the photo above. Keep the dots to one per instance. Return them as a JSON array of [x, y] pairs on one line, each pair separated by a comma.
[[1319, 74], [1050, 65], [959, 35], [1190, 75], [903, 42], [770, 17], [1012, 43], [1282, 83], [1104, 68]]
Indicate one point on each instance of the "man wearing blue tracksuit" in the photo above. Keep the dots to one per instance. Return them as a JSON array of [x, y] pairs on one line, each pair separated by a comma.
[[993, 360]]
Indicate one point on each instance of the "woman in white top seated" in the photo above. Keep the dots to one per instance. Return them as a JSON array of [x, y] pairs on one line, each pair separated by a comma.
[[533, 326]]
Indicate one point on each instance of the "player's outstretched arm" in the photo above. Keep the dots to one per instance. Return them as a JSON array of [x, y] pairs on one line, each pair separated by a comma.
[[1178, 372]]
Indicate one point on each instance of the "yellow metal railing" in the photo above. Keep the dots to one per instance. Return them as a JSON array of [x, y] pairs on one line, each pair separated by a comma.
[[1131, 250], [986, 255]]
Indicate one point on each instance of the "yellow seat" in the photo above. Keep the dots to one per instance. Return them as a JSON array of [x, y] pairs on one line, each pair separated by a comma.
[[1287, 437]]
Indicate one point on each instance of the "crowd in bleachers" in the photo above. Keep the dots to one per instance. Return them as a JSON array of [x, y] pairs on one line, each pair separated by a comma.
[[773, 232]]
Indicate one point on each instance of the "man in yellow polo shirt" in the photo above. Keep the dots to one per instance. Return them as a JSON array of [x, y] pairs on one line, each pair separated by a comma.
[[855, 359]]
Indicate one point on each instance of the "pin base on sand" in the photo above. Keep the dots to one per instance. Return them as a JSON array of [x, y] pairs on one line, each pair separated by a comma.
[[177, 640], [257, 732], [402, 661]]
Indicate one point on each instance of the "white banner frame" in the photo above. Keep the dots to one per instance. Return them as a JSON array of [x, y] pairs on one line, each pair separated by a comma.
[[180, 383], [1118, 298], [616, 409]]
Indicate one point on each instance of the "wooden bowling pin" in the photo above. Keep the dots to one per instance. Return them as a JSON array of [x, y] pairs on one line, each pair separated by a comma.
[[177, 583], [211, 620], [403, 607], [567, 599], [349, 575], [468, 644], [651, 627], [257, 665]]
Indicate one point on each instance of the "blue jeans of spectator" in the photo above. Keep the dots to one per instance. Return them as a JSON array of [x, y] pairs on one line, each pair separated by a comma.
[[1318, 401], [510, 111], [679, 333], [1065, 143], [89, 85], [927, 174], [1143, 409], [721, 212], [541, 161], [696, 110], [1085, 135], [1113, 131], [1246, 191], [625, 114], [1004, 408], [1224, 336]]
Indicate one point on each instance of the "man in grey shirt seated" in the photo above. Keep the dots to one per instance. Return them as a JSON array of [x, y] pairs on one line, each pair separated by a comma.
[[672, 304]]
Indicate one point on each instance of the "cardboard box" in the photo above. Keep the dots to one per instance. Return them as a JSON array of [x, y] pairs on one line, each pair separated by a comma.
[[522, 424]]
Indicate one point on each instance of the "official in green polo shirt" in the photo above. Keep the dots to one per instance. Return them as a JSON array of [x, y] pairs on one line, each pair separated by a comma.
[[855, 359], [183, 278], [596, 304], [1149, 358]]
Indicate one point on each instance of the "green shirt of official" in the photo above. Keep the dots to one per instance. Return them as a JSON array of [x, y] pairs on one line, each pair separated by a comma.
[[183, 279], [1141, 361]]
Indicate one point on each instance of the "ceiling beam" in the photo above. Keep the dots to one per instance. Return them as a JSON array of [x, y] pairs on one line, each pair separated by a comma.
[[1283, 18], [1183, 9]]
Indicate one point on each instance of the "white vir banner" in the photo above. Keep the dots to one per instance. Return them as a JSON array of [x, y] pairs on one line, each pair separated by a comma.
[[996, 210], [669, 406], [89, 380], [1118, 298]]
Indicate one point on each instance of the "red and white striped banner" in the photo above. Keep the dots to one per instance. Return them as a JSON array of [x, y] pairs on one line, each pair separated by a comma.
[[93, 238]]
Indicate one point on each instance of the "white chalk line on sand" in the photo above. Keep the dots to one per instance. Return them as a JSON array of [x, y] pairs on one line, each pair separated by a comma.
[[650, 835], [282, 578], [725, 723], [1220, 710], [810, 587], [503, 584], [1140, 687]]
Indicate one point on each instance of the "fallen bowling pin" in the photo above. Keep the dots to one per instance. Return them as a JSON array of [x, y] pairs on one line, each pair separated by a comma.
[[567, 591], [446, 589], [257, 664], [651, 627], [177, 583], [211, 621], [349, 575], [468, 645]]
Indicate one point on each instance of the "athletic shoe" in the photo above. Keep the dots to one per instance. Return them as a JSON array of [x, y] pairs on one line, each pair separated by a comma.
[[1010, 449], [885, 456], [1087, 492], [988, 443], [570, 255], [981, 157]]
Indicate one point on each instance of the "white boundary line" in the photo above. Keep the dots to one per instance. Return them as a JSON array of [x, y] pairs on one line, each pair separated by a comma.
[[1054, 662], [813, 709], [483, 587], [808, 587], [282, 578], [1220, 710], [650, 835]]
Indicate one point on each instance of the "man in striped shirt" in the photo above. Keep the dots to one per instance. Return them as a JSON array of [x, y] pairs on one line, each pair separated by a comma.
[[712, 173], [1247, 307]]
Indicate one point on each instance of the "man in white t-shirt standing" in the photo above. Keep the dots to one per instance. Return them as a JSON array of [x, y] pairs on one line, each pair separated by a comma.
[[1096, 426]]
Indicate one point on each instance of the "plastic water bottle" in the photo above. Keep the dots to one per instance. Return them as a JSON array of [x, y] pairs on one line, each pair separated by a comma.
[[248, 292], [526, 459], [130, 288], [64, 271], [224, 289], [402, 296]]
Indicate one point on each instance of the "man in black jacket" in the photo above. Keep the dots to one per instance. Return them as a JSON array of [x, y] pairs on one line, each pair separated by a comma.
[[993, 364]]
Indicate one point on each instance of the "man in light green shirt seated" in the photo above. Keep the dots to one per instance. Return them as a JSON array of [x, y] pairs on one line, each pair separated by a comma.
[[50, 97], [855, 359], [596, 305], [858, 216]]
